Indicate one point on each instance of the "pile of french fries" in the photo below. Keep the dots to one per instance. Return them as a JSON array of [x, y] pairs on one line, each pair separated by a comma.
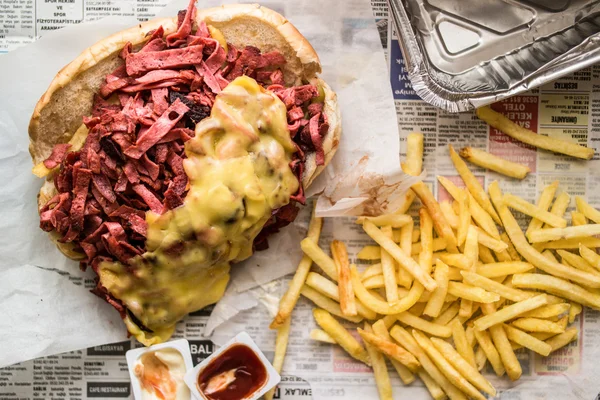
[[464, 288]]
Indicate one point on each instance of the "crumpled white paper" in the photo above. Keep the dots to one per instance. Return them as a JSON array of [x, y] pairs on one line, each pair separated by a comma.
[[44, 306]]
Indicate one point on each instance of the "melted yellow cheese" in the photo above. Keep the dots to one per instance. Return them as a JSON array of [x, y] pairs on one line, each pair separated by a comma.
[[238, 167]]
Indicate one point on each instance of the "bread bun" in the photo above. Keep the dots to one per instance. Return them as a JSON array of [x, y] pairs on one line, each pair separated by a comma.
[[59, 112]]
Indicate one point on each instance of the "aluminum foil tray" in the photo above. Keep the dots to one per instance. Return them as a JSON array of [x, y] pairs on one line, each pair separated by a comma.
[[462, 54]]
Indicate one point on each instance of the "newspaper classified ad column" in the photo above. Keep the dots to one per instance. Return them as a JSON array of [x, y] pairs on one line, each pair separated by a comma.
[[16, 23], [593, 173], [95, 9], [16, 382], [147, 9], [564, 107], [54, 14]]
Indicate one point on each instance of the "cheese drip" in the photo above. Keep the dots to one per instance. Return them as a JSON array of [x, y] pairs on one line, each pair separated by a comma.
[[238, 170]]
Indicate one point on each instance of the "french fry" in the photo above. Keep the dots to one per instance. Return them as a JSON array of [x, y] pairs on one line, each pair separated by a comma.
[[330, 289], [450, 187], [485, 255], [407, 341], [281, 342], [290, 298], [514, 255], [413, 163], [558, 287], [340, 257], [510, 312], [576, 261], [591, 242], [570, 232], [549, 255], [472, 311], [407, 201], [542, 335], [537, 325], [494, 163], [489, 242], [578, 219], [449, 213], [436, 301], [472, 293], [441, 225], [340, 335], [390, 349], [374, 282], [527, 341], [495, 270], [543, 203], [590, 256], [491, 353], [447, 316], [391, 220], [382, 378], [417, 309], [369, 252], [464, 217], [472, 184], [404, 260], [389, 321], [483, 219], [503, 256], [551, 310], [435, 390], [468, 370], [416, 235], [574, 311], [563, 339], [480, 358], [404, 373], [326, 303], [586, 209], [471, 251], [379, 305], [437, 245], [424, 325], [507, 354], [527, 208], [445, 367], [563, 322], [470, 334], [463, 347], [404, 277], [312, 249], [532, 255], [372, 270], [321, 336], [455, 260], [495, 287], [559, 208], [454, 275], [524, 135]]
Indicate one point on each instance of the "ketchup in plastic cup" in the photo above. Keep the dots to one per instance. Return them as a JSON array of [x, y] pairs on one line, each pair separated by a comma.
[[234, 374], [236, 371]]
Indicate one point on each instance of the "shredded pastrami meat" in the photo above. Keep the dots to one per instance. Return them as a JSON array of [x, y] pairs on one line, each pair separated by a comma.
[[132, 159]]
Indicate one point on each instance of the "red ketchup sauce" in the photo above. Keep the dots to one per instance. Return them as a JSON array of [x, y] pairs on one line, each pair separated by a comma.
[[234, 375]]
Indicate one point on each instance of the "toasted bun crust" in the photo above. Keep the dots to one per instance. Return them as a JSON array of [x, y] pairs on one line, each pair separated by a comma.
[[58, 113]]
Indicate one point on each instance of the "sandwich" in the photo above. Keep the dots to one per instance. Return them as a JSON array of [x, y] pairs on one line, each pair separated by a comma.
[[171, 150]]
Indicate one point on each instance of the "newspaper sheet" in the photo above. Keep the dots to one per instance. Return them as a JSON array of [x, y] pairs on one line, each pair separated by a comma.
[[568, 108]]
